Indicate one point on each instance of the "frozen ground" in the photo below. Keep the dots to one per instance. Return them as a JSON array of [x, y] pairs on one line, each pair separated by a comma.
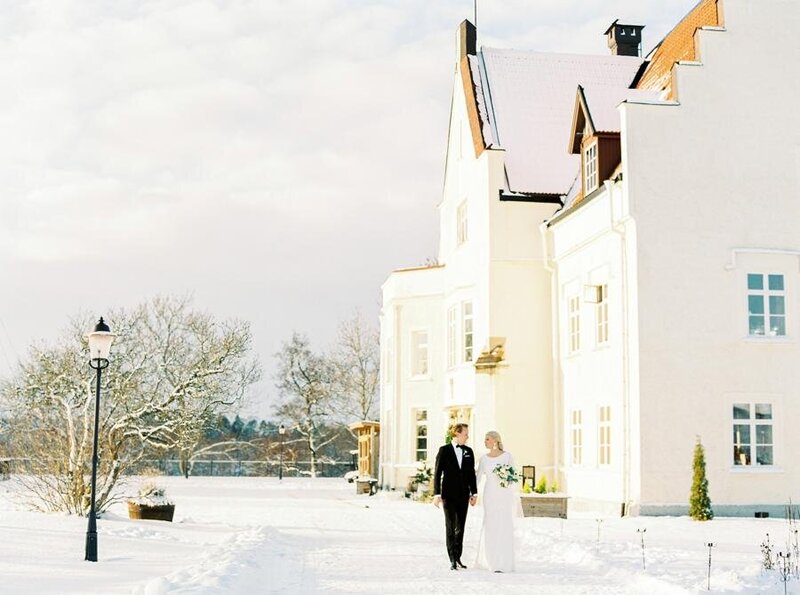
[[256, 535]]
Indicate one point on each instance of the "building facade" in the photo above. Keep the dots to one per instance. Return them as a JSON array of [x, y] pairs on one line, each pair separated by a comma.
[[618, 267]]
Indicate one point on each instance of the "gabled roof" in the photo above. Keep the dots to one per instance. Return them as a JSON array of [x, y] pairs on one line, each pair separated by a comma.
[[529, 98], [677, 46], [598, 106]]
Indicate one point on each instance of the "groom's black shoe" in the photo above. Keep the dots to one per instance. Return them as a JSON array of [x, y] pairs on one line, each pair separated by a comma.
[[460, 564], [453, 566]]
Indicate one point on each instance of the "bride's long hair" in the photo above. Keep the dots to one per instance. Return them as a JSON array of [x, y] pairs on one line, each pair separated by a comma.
[[496, 436]]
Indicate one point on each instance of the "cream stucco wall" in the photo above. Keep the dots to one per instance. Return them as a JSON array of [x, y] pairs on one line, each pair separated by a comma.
[[594, 246], [717, 173]]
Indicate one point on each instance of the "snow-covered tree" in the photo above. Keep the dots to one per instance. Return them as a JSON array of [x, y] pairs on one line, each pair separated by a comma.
[[355, 360], [304, 379], [172, 368]]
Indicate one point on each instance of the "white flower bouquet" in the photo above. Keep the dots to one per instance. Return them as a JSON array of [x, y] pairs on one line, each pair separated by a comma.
[[507, 475]]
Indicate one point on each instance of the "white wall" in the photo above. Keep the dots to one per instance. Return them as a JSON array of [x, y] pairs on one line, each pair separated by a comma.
[[412, 301], [715, 173], [592, 247]]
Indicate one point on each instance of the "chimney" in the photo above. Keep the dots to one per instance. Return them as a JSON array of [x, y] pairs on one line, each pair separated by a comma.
[[625, 40], [465, 40]]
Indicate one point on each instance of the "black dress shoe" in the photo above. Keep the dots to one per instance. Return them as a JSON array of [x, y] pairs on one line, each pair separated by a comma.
[[460, 564], [453, 566]]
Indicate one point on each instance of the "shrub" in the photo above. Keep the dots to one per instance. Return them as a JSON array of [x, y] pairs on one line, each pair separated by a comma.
[[699, 502]]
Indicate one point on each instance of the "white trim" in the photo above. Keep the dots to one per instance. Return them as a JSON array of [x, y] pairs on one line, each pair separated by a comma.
[[734, 251]]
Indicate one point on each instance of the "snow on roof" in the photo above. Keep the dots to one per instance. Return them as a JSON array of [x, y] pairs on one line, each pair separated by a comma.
[[531, 96], [602, 103], [484, 111]]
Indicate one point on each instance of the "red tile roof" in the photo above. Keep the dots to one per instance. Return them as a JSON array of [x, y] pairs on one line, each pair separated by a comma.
[[678, 45]]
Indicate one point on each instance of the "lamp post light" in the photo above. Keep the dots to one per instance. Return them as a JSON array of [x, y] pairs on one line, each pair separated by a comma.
[[99, 349], [282, 432]]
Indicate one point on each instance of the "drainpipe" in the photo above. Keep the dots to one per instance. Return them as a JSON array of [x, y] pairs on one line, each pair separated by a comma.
[[619, 229], [551, 267]]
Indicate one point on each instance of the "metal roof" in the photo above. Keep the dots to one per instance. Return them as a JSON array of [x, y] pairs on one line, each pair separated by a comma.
[[530, 97]]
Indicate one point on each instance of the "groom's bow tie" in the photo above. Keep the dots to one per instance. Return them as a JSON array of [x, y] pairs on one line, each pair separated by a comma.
[[461, 446]]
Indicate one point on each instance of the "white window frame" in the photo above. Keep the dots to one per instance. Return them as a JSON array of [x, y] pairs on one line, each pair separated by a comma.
[[462, 223], [604, 436], [421, 421], [420, 354], [765, 294], [740, 460], [467, 331], [590, 163], [573, 324], [452, 335], [576, 432], [601, 311]]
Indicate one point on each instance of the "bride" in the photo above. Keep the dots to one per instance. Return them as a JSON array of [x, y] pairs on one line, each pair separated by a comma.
[[496, 548]]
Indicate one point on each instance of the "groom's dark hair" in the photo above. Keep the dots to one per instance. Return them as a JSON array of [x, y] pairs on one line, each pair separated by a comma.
[[458, 428]]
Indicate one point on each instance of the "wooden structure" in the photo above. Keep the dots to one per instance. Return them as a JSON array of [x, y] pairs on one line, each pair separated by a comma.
[[367, 433], [544, 505], [162, 512]]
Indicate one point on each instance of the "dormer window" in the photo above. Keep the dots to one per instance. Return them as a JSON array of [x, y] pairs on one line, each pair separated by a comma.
[[590, 177]]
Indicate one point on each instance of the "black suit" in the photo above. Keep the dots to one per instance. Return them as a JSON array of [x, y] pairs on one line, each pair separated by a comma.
[[455, 485]]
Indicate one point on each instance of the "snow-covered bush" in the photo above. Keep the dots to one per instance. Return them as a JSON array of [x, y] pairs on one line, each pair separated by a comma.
[[151, 494]]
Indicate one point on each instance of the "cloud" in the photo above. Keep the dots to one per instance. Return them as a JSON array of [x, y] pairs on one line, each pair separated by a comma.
[[277, 159]]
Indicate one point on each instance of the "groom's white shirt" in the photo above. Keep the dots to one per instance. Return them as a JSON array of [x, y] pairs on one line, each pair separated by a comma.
[[459, 452]]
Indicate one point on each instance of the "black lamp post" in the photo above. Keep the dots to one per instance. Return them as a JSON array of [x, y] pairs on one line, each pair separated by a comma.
[[282, 432], [99, 349]]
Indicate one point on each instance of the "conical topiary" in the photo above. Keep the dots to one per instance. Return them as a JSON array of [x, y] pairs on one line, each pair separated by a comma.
[[699, 502]]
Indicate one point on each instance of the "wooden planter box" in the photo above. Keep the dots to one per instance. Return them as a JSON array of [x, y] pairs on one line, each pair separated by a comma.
[[366, 486], [544, 505], [163, 512]]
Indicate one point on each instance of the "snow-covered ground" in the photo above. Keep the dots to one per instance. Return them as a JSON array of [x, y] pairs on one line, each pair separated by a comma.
[[256, 535]]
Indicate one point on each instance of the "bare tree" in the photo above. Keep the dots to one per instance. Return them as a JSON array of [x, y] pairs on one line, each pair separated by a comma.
[[303, 379], [356, 365], [172, 368]]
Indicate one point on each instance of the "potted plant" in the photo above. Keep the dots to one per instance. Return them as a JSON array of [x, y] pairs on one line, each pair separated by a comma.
[[151, 503], [420, 482]]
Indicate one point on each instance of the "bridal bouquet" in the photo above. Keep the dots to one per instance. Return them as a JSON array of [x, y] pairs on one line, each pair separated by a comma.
[[507, 474]]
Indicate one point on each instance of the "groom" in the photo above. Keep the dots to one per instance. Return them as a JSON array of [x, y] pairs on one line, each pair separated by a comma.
[[454, 487]]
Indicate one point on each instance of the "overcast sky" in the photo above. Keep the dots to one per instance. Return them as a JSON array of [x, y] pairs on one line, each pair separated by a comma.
[[276, 159]]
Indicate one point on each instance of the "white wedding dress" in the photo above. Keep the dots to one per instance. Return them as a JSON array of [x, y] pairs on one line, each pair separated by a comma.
[[496, 547]]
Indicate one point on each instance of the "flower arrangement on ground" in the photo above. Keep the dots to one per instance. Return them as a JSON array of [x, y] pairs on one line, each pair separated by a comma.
[[507, 475]]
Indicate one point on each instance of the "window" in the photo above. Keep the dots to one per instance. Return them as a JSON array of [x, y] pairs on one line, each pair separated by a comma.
[[459, 415], [421, 442], [766, 305], [574, 309], [461, 223], [752, 434], [601, 310], [604, 436], [466, 325], [451, 336], [577, 437], [590, 168], [419, 353]]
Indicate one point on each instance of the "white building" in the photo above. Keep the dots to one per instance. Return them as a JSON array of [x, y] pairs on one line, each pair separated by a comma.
[[659, 303]]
